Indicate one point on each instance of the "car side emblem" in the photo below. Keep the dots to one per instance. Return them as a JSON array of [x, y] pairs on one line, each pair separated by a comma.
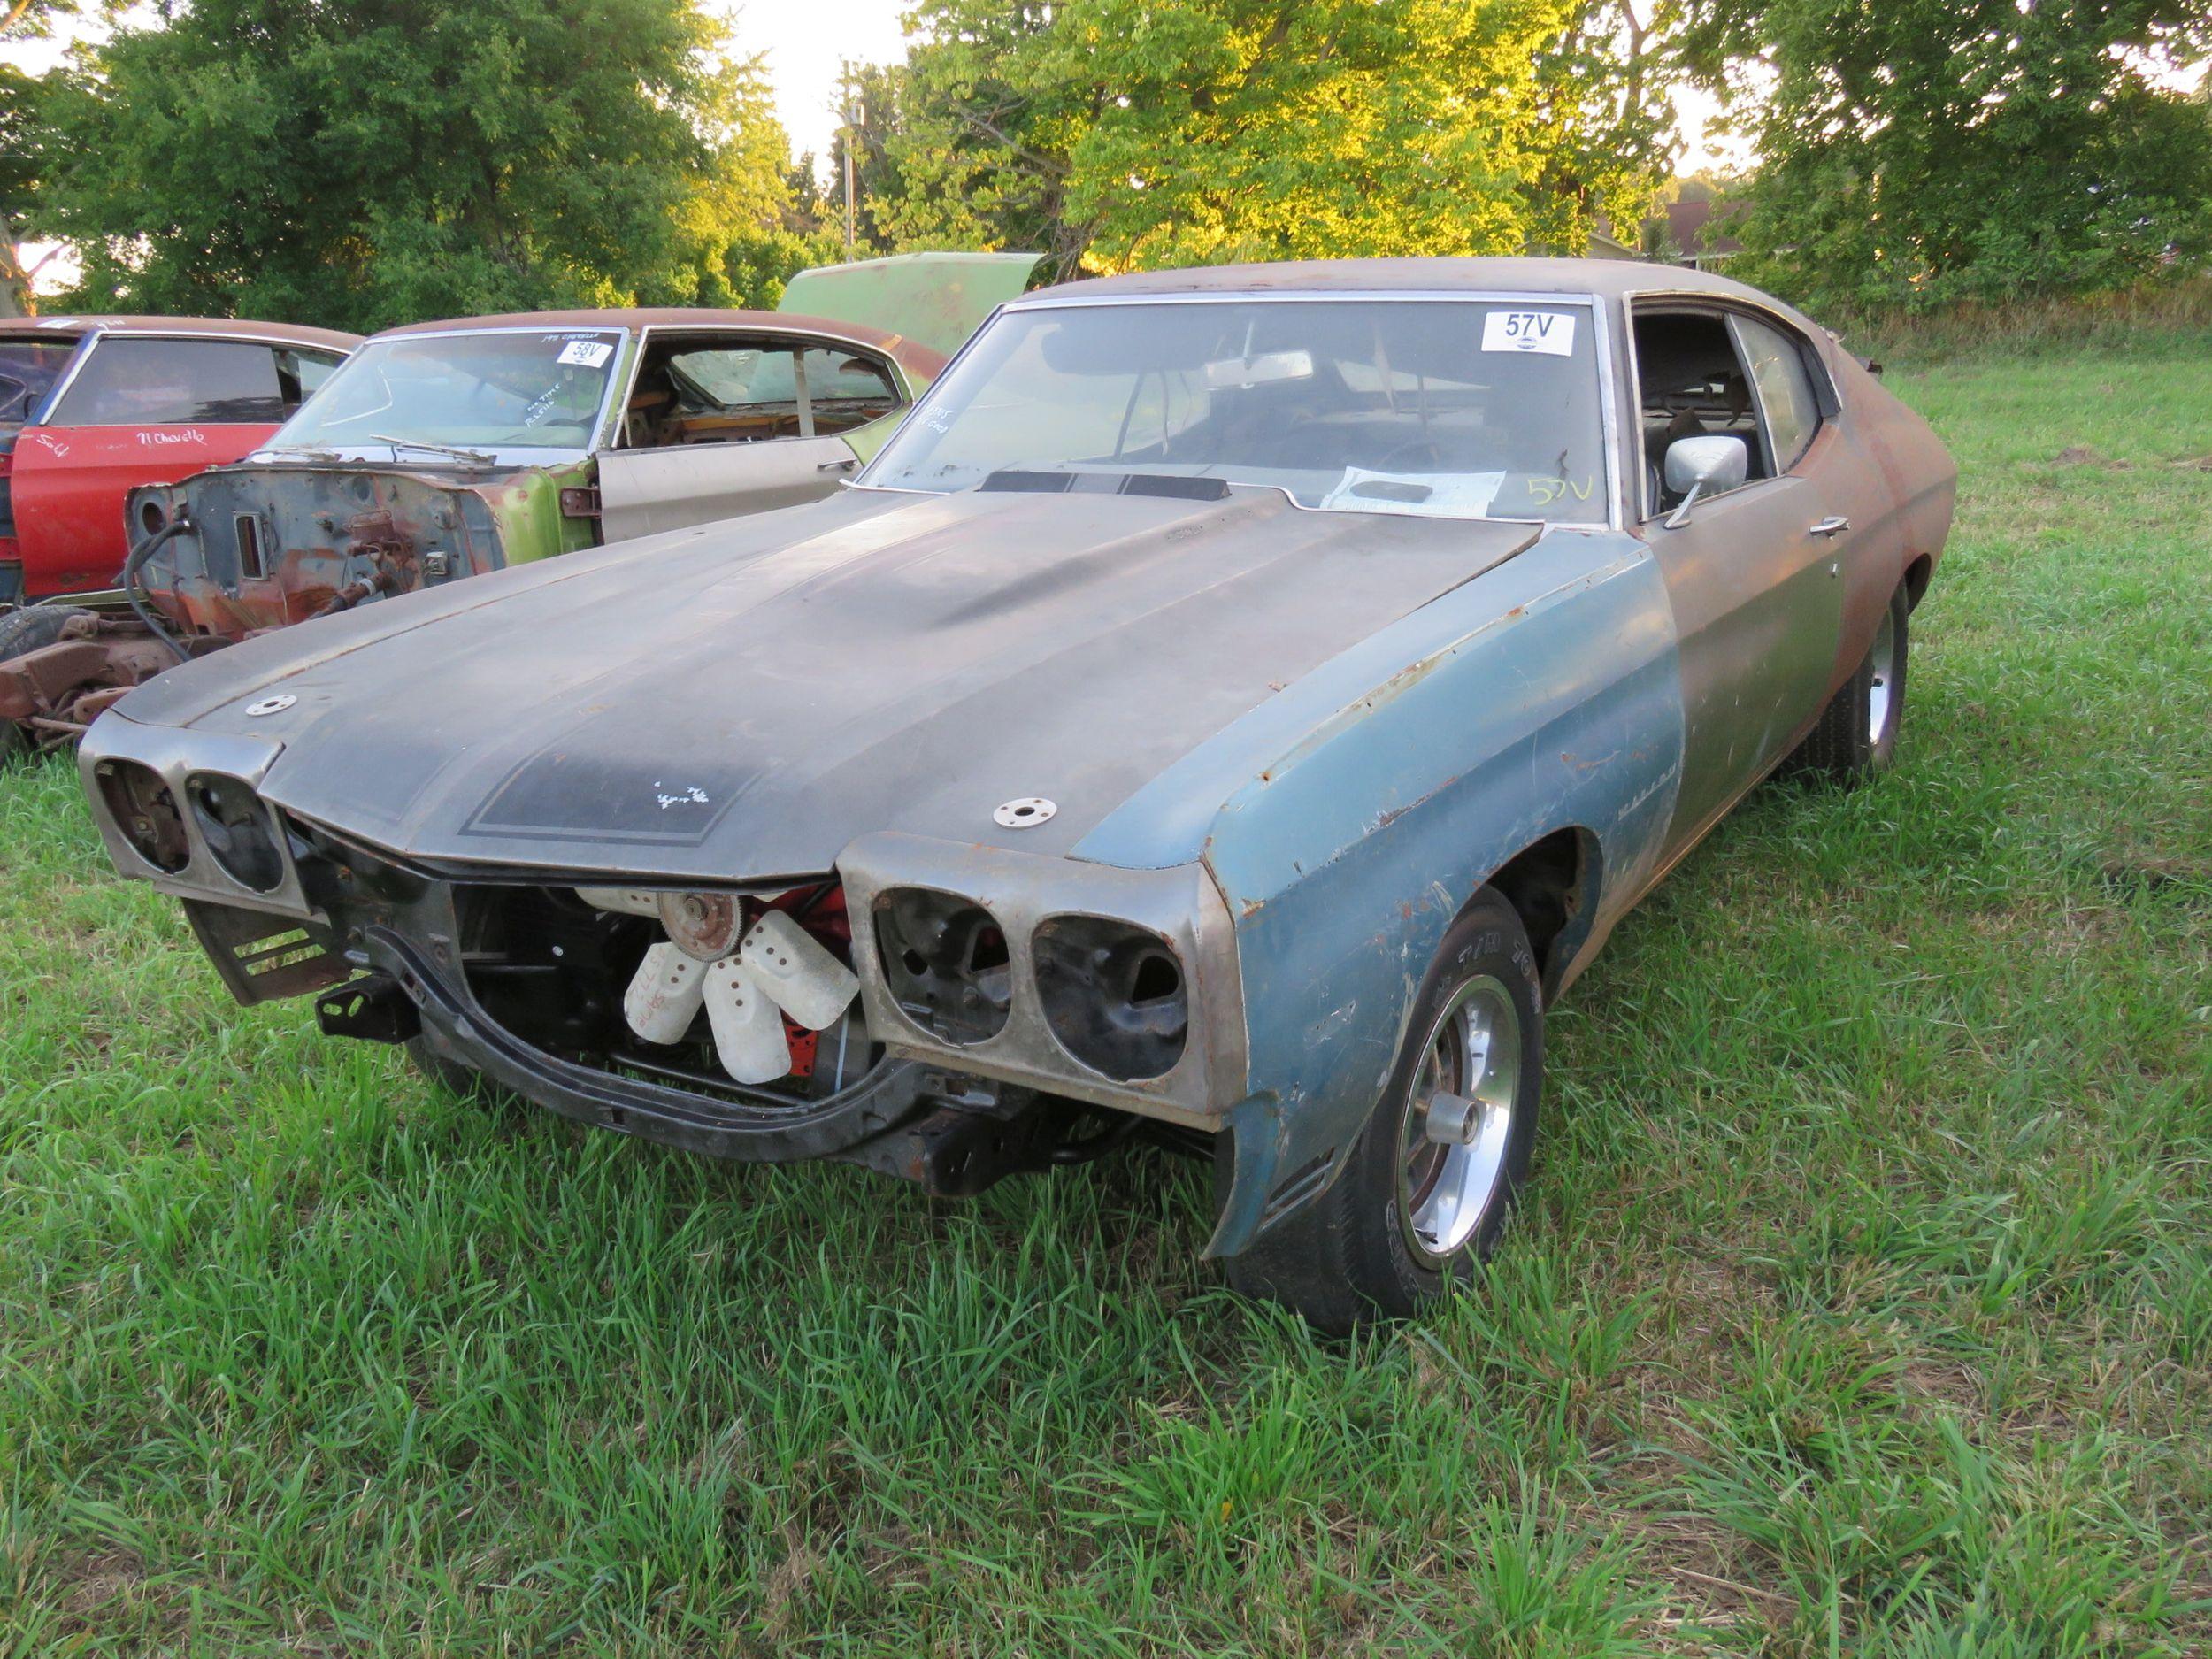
[[1026, 813], [277, 704]]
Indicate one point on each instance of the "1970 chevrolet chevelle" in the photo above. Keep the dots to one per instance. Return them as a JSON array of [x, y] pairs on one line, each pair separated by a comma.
[[1234, 705]]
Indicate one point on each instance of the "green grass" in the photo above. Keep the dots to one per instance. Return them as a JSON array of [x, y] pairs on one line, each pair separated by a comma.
[[1863, 1304]]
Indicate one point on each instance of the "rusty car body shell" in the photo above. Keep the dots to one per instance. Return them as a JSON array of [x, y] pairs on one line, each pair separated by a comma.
[[1295, 744], [68, 481], [350, 525], [271, 538]]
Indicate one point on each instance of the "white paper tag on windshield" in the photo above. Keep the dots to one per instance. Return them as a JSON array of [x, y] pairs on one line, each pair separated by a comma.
[[589, 353], [1551, 333]]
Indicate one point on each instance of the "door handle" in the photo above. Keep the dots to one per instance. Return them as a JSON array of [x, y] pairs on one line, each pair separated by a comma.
[[845, 465], [1836, 526]]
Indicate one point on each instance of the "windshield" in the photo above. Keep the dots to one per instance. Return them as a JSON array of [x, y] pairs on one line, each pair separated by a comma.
[[1446, 408], [512, 388]]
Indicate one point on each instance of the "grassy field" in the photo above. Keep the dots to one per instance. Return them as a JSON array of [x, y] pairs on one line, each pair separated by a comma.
[[1863, 1305]]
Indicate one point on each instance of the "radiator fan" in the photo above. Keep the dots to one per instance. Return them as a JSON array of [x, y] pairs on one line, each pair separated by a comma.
[[745, 977]]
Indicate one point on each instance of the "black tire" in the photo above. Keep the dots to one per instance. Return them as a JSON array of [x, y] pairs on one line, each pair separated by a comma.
[[462, 1081], [34, 627], [1846, 748], [31, 628], [1345, 1260]]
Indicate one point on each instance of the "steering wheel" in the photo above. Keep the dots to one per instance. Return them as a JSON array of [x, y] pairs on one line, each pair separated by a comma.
[[1412, 450]]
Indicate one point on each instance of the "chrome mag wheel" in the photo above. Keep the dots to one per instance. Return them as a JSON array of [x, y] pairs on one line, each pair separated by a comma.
[[1881, 693], [1459, 1121]]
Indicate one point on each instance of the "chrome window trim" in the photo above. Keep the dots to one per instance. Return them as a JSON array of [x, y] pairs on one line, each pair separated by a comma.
[[1758, 394], [612, 442], [100, 334], [81, 349], [1827, 394], [1602, 340], [1733, 324]]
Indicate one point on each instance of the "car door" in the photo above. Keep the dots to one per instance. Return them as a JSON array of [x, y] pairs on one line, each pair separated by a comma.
[[140, 408], [1752, 574], [717, 426]]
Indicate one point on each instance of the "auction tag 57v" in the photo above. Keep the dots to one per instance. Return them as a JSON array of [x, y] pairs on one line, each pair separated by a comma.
[[1551, 333]]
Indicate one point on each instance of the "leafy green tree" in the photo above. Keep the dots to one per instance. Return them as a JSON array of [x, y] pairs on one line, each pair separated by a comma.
[[1112, 134], [363, 162], [22, 145], [1920, 151]]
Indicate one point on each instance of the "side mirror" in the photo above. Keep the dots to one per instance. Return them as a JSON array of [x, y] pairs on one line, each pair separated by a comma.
[[1698, 467]]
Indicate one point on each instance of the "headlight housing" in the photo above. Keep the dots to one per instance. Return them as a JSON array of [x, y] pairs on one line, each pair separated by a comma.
[[145, 812], [236, 826], [1115, 995], [1122, 986], [945, 963]]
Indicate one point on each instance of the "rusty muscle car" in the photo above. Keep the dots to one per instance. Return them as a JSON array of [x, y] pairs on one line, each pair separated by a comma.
[[90, 409], [1233, 708], [446, 449]]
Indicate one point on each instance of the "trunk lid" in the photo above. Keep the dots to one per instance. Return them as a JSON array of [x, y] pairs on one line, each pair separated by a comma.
[[936, 298]]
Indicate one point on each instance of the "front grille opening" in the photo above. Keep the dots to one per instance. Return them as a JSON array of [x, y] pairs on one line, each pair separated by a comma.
[[552, 970]]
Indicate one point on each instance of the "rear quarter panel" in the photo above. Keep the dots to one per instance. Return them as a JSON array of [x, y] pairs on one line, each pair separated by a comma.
[[1922, 482]]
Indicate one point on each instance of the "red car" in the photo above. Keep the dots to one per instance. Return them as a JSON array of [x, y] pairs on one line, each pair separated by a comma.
[[92, 407]]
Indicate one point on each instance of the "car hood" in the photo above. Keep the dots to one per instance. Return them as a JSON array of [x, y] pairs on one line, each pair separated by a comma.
[[741, 700]]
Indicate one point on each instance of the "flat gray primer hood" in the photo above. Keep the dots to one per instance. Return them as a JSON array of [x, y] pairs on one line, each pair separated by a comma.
[[741, 701]]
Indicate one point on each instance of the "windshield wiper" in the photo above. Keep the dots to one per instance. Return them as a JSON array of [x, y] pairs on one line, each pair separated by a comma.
[[477, 456], [1176, 486]]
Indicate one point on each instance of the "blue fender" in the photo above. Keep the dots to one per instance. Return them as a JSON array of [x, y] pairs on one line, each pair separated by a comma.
[[1352, 817]]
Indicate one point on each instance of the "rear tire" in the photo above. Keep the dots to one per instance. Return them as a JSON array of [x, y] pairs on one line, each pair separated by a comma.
[[34, 627], [1856, 738], [1416, 1210], [31, 628]]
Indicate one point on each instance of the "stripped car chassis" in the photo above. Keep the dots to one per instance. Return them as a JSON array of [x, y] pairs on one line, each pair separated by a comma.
[[52, 693]]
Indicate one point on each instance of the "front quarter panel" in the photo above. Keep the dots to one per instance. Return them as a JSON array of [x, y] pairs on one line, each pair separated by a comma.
[[1543, 696]]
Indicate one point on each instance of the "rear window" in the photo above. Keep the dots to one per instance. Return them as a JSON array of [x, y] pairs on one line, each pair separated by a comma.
[[28, 369], [141, 381]]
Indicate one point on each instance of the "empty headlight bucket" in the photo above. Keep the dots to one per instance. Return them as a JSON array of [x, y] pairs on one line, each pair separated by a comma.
[[1114, 994], [146, 813], [235, 825], [945, 963]]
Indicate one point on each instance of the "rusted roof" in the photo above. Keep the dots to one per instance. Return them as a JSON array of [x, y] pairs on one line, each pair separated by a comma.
[[910, 354], [1607, 278], [292, 332]]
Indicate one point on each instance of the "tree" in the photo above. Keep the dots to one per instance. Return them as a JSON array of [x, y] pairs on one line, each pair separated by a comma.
[[22, 145], [1606, 137], [380, 160], [1113, 134], [1926, 150]]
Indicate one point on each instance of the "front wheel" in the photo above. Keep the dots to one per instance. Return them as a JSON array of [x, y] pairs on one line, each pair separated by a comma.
[[1431, 1183], [464, 1082]]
